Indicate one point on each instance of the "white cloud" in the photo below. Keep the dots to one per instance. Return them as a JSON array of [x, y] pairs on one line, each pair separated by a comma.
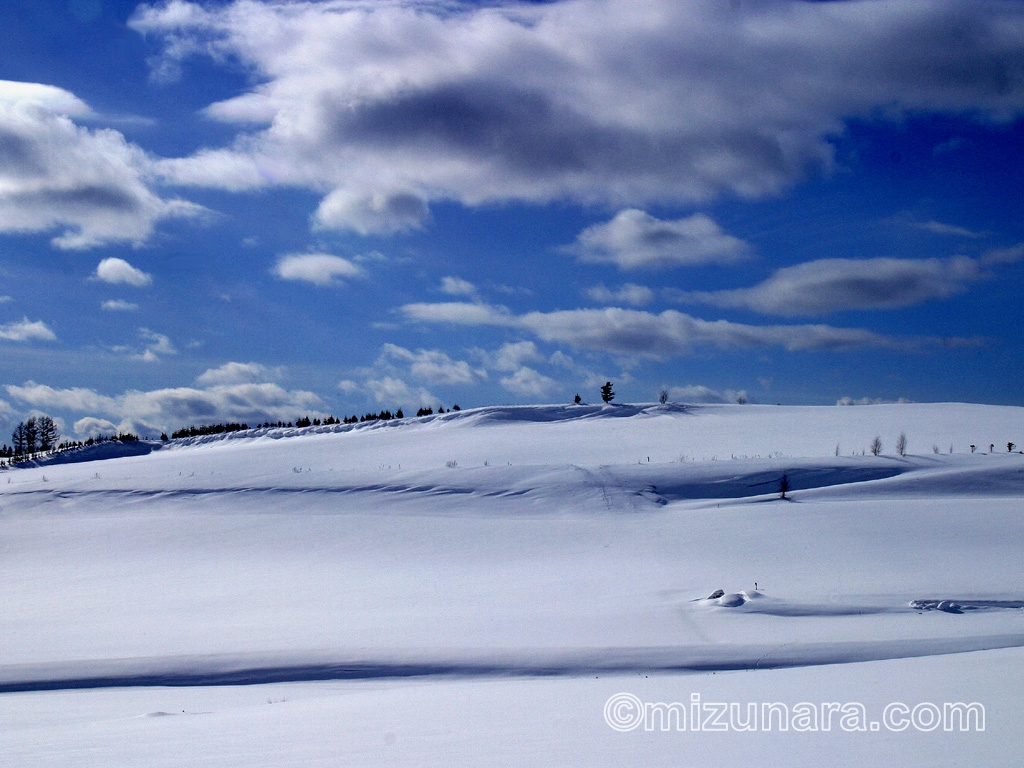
[[5, 299], [509, 357], [630, 293], [386, 106], [235, 373], [27, 330], [316, 268], [46, 97], [158, 342], [697, 393], [528, 383], [432, 365], [348, 386], [833, 285], [870, 401], [55, 174], [90, 426], [116, 271], [637, 240], [396, 392], [456, 286], [635, 333], [376, 212], [939, 228], [119, 305], [458, 313], [168, 409]]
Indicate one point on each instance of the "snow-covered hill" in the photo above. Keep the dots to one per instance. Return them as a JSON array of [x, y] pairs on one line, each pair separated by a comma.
[[508, 556]]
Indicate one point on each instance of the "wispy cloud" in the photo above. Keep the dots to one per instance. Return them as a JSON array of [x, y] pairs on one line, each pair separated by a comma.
[[698, 393], [834, 285], [939, 228], [156, 344], [630, 293], [119, 305], [635, 333], [456, 286], [870, 401]]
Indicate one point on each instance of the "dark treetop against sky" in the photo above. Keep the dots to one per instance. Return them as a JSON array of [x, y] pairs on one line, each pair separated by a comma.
[[255, 210]]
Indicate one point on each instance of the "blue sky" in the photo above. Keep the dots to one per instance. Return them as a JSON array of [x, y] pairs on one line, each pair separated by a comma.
[[256, 210]]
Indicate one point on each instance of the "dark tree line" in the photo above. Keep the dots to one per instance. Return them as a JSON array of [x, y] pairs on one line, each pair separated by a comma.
[[35, 435]]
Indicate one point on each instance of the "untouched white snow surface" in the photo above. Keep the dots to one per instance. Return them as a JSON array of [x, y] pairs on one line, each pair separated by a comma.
[[470, 589]]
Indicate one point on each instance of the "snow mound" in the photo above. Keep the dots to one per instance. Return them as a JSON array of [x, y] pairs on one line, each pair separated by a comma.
[[111, 449]]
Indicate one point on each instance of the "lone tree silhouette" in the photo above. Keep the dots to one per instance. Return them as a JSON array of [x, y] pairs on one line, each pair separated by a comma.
[[783, 485], [606, 392]]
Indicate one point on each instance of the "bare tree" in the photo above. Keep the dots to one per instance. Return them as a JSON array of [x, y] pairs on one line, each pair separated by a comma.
[[876, 446], [663, 397], [901, 444]]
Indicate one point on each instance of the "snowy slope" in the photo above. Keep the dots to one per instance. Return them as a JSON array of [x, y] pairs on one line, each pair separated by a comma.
[[505, 544]]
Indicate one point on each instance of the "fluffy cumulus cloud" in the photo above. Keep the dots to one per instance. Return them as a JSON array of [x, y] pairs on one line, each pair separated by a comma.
[[374, 212], [832, 285], [387, 380], [316, 268], [397, 393], [386, 106], [167, 409], [636, 333], [27, 330], [637, 240], [432, 366], [235, 373], [92, 185], [527, 382], [509, 357], [119, 271]]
